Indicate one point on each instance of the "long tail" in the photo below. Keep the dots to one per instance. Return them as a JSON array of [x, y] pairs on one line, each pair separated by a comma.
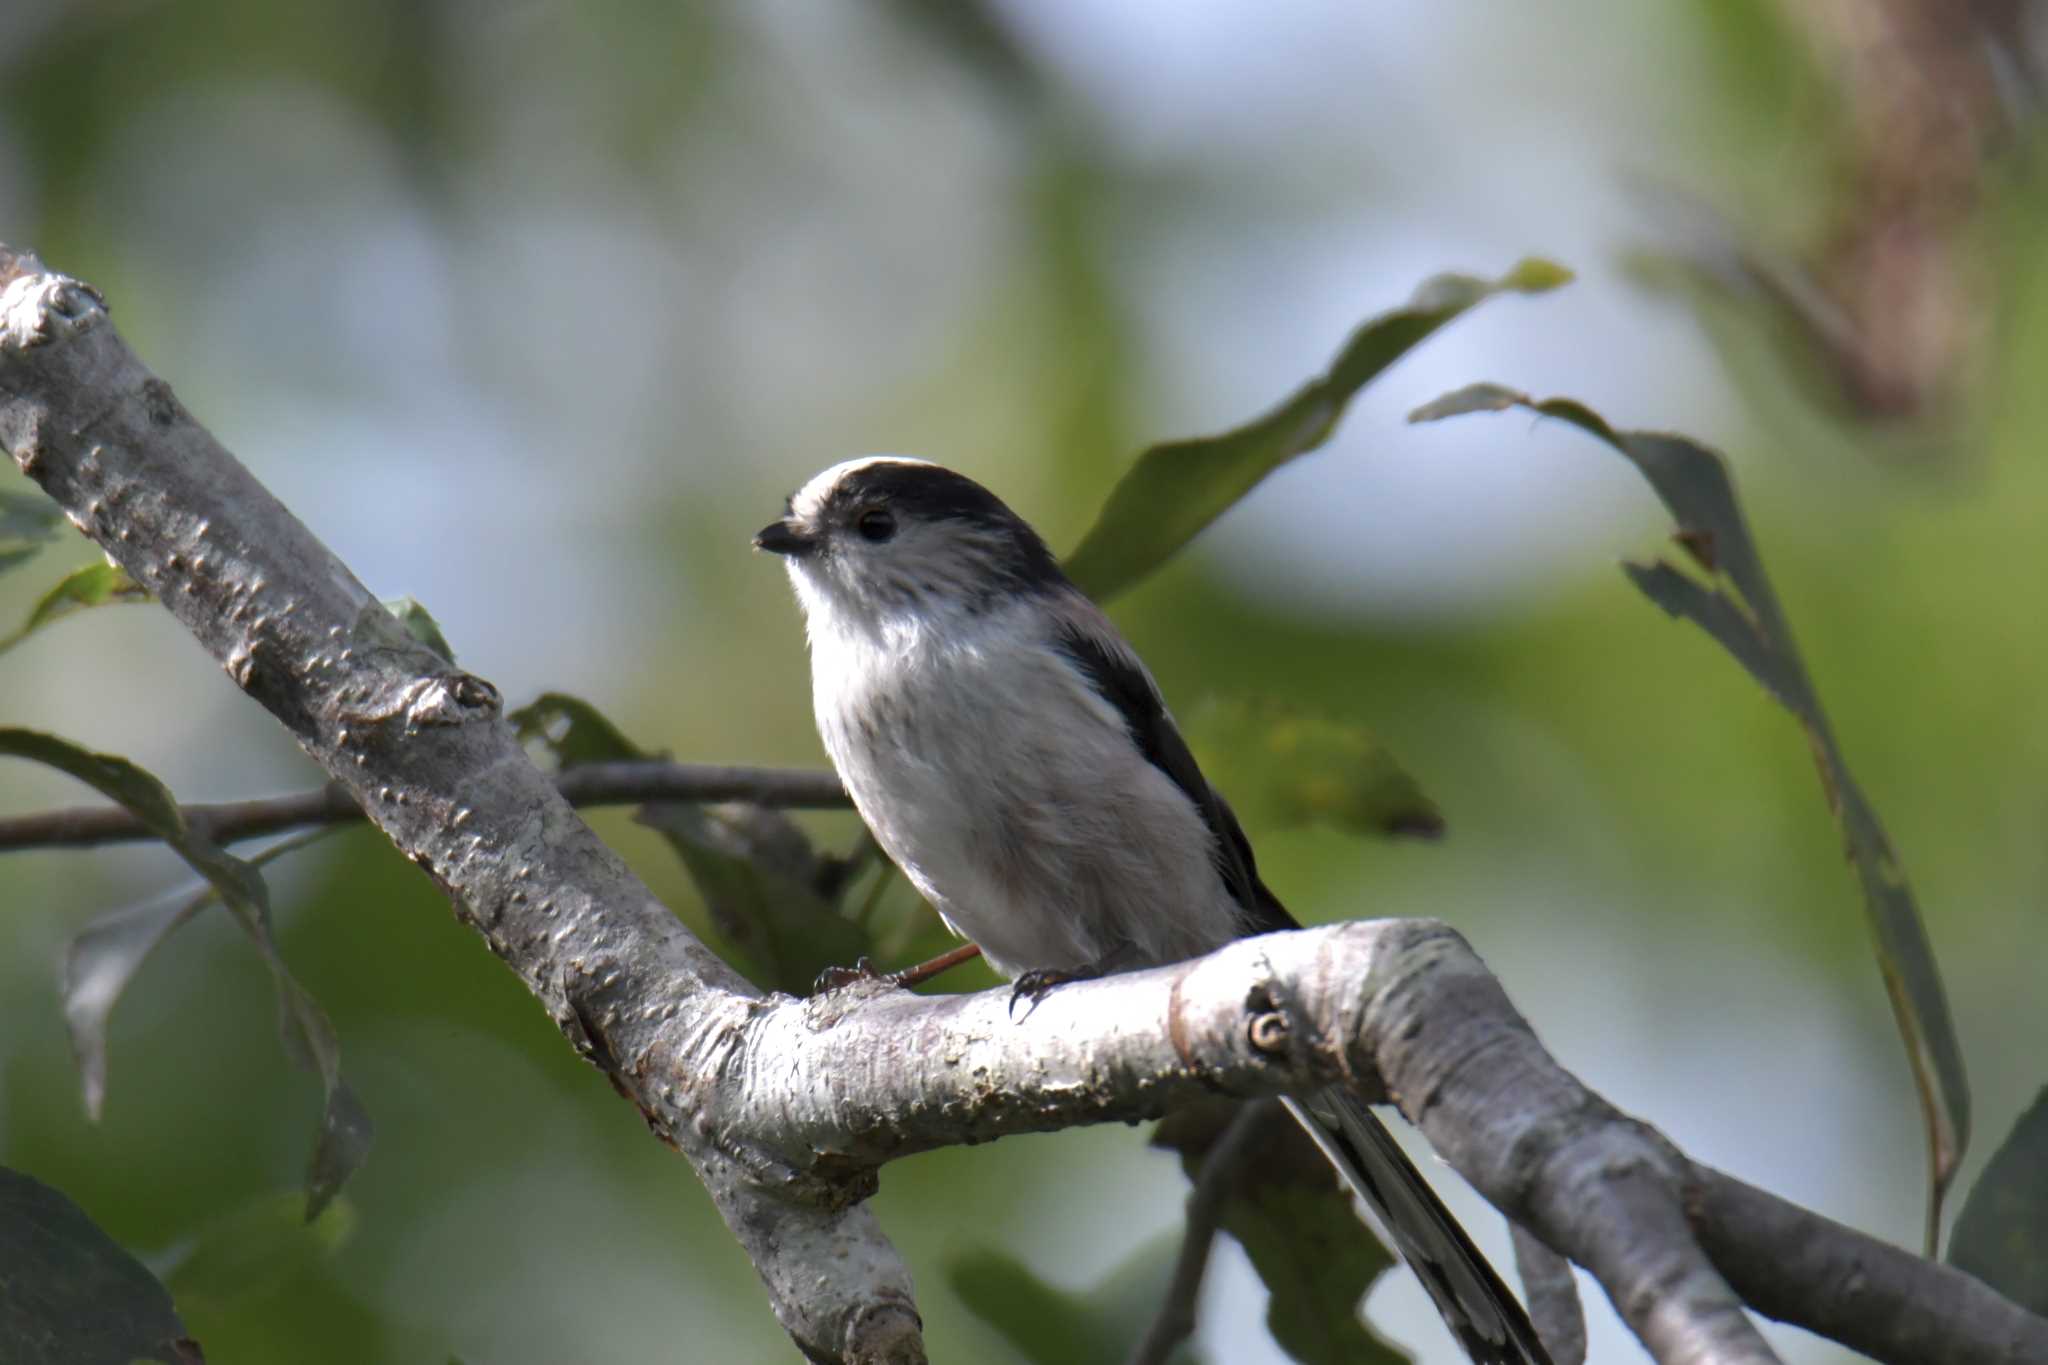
[[1480, 1310]]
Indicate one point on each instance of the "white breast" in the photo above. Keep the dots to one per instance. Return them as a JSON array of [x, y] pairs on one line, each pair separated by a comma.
[[1013, 797]]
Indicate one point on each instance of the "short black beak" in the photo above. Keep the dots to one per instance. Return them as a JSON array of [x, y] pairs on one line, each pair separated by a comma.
[[781, 538]]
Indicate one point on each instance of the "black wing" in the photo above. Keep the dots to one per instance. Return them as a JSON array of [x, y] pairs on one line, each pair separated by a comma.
[[1121, 681], [1478, 1308]]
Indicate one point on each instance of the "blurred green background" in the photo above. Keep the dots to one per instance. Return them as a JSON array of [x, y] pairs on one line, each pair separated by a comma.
[[536, 311]]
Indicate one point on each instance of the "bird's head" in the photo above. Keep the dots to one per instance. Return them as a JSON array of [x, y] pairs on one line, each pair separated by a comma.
[[886, 537]]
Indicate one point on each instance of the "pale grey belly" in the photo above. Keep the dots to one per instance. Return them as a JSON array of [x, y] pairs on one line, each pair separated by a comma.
[[1047, 839]]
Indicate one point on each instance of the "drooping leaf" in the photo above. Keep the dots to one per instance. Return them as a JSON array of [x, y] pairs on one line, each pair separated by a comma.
[[1296, 1223], [28, 521], [103, 957], [69, 1293], [250, 1253], [100, 961], [421, 625], [1740, 610], [1285, 767], [573, 730], [94, 585], [1052, 1326], [2001, 1236], [1177, 488], [345, 1130], [759, 878], [343, 1141]]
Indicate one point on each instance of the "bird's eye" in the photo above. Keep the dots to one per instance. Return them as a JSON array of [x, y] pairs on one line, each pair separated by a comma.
[[876, 525]]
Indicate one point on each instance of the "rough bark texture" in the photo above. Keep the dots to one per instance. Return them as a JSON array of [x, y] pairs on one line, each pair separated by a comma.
[[787, 1108], [424, 750]]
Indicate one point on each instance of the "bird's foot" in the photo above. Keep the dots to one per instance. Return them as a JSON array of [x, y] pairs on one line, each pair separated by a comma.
[[1033, 986], [836, 978], [832, 978]]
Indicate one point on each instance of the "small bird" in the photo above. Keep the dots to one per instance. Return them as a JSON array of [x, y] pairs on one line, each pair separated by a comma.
[[1012, 755]]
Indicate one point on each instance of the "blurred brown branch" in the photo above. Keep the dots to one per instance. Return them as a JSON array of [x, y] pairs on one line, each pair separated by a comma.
[[1898, 304], [788, 1108], [589, 784]]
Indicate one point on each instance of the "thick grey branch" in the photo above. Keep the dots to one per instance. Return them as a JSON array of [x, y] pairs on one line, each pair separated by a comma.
[[869, 1074], [788, 1108], [422, 748], [1883, 1301], [592, 784]]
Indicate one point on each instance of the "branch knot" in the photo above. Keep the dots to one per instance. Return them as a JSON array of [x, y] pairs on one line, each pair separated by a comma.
[[39, 306]]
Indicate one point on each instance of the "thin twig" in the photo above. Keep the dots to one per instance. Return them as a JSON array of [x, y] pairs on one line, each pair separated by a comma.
[[592, 784], [944, 962], [1553, 1297], [1175, 1320]]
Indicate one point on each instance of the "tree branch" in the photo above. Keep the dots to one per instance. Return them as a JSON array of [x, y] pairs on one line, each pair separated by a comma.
[[590, 784], [1553, 1297], [1885, 1302], [423, 749], [787, 1108]]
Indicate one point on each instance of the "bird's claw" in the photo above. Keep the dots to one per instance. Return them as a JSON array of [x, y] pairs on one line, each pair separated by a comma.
[[834, 978], [1033, 986]]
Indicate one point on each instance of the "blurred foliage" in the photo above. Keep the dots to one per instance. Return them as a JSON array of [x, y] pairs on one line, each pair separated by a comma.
[[95, 585], [1177, 488], [573, 731], [1740, 610], [104, 956], [1284, 767], [1296, 1223], [309, 1038], [257, 1250], [421, 625], [28, 521], [596, 285], [772, 897], [1053, 1326], [761, 882], [2001, 1235], [70, 1294]]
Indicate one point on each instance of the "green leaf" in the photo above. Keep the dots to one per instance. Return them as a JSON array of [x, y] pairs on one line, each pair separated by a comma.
[[1295, 1221], [69, 1293], [345, 1130], [103, 957], [28, 522], [1284, 767], [1740, 610], [759, 877], [1053, 1326], [573, 730], [2001, 1236], [100, 961], [251, 1253], [421, 625], [1179, 487], [94, 585]]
